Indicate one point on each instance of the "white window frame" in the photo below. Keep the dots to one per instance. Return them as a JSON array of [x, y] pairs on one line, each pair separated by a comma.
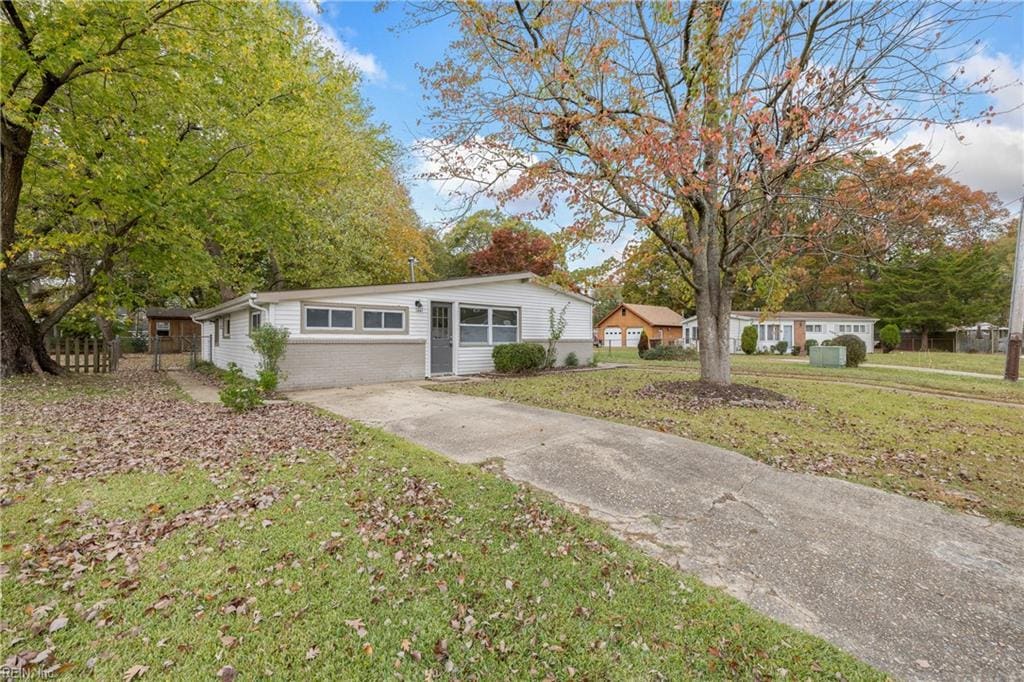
[[163, 326], [489, 325], [815, 328], [381, 328], [317, 328], [255, 320]]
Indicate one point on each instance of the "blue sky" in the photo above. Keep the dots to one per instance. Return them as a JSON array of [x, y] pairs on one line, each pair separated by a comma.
[[991, 158]]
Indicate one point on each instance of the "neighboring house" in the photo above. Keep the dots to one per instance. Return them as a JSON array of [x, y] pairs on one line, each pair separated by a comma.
[[173, 326], [621, 328], [390, 332], [795, 328]]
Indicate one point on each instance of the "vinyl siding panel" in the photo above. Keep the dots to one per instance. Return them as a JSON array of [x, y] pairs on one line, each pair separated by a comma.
[[533, 302], [236, 347]]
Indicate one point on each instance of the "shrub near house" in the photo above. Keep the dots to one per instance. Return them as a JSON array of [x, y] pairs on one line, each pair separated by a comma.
[[514, 358], [856, 351]]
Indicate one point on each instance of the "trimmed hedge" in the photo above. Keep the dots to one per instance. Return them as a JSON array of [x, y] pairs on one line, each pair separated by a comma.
[[889, 335], [748, 340], [670, 353], [513, 358], [856, 351]]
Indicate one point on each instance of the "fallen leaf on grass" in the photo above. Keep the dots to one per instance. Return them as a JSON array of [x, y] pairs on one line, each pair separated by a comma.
[[58, 623], [312, 653], [226, 674], [357, 625], [228, 641], [134, 672]]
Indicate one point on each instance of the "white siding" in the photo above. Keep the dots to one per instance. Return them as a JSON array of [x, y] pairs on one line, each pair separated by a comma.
[[532, 300], [830, 330], [236, 347]]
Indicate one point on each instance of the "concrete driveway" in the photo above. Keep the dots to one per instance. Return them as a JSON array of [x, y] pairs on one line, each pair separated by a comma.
[[917, 591]]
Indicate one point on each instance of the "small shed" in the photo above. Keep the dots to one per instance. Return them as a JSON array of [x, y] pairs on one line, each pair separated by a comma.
[[174, 327]]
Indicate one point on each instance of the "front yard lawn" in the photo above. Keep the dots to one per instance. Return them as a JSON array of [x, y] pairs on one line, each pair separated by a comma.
[[983, 363], [910, 379], [148, 536], [963, 454]]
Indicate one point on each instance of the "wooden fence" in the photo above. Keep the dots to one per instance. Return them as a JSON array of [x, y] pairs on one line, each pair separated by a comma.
[[93, 356]]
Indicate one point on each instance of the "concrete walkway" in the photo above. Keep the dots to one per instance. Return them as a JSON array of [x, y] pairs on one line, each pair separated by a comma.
[[917, 591], [196, 388]]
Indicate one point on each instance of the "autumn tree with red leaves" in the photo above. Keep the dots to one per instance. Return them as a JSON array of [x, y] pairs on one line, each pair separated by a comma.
[[693, 120], [882, 207], [515, 250]]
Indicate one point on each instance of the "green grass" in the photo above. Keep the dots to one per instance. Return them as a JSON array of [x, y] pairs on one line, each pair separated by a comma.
[[983, 363], [384, 561], [909, 379], [963, 454]]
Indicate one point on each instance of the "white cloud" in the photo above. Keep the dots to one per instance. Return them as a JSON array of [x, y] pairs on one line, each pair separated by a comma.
[[985, 156], [364, 62]]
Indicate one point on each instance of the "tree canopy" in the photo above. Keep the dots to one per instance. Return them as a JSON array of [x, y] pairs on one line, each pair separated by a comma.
[[695, 121], [183, 149]]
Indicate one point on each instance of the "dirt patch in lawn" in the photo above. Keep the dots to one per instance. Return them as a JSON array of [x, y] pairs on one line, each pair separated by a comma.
[[700, 395]]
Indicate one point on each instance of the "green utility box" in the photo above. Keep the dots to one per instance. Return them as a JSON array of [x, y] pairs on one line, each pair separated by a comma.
[[828, 356]]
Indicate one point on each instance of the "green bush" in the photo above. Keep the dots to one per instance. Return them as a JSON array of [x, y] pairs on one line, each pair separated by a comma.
[[664, 352], [889, 336], [811, 343], [795, 350], [270, 343], [781, 347], [748, 340], [519, 357], [856, 351], [239, 393], [267, 380], [571, 360], [643, 345]]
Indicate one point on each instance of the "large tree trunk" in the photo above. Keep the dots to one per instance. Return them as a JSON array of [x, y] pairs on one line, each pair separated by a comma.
[[713, 309], [22, 346]]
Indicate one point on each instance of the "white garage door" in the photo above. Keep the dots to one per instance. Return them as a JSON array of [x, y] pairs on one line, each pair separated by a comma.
[[633, 336], [612, 337]]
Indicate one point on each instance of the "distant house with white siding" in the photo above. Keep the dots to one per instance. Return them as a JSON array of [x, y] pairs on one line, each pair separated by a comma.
[[795, 328], [366, 334]]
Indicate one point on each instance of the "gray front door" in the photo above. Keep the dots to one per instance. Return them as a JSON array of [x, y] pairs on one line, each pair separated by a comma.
[[440, 338]]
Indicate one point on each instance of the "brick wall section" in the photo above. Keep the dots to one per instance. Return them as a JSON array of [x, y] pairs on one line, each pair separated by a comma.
[[327, 364], [584, 349]]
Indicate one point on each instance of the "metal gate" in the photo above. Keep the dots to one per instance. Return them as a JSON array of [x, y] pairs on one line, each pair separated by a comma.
[[174, 352]]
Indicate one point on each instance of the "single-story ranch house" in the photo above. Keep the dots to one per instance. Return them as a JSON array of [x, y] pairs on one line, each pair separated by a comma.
[[390, 332], [621, 328], [795, 328]]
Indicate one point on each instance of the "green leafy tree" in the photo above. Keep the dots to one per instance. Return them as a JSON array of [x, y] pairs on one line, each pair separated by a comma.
[[181, 149], [941, 288], [649, 276]]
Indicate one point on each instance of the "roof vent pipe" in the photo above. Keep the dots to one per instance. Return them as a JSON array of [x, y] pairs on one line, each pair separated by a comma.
[[412, 268]]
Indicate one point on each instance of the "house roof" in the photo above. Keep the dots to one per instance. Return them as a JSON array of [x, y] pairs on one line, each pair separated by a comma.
[[654, 315], [298, 294], [171, 313], [795, 315]]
